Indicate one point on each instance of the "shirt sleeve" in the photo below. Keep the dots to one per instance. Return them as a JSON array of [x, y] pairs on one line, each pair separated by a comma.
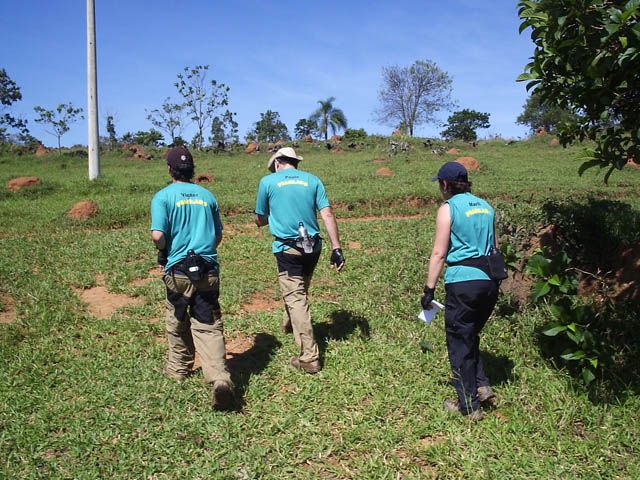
[[159, 217], [262, 199], [321, 196], [217, 223]]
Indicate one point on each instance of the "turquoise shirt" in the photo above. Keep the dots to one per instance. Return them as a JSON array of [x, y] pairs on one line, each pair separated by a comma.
[[188, 216], [471, 236], [288, 197]]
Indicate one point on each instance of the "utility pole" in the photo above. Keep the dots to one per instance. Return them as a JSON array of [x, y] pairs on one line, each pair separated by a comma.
[[92, 93]]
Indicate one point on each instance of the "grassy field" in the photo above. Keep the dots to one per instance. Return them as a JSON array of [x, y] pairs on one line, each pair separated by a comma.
[[82, 395]]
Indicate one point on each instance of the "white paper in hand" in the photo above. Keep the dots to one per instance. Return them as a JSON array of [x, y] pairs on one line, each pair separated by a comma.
[[427, 315]]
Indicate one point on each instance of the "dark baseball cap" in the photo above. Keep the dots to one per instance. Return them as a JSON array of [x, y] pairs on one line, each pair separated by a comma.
[[179, 158], [452, 172]]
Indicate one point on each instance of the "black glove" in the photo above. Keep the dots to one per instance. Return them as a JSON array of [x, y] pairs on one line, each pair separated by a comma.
[[163, 257], [337, 259], [427, 298]]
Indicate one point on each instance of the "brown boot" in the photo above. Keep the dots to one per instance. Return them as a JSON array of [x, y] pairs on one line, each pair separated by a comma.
[[487, 397], [451, 405], [309, 367], [222, 395]]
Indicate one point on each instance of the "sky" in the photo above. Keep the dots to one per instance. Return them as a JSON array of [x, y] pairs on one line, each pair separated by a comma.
[[274, 55]]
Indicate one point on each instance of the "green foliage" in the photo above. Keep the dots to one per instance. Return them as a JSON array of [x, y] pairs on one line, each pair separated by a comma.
[[111, 130], [169, 118], [269, 128], [412, 96], [462, 125], [224, 130], [305, 127], [150, 138], [538, 114], [353, 135], [328, 117], [9, 94], [202, 99], [586, 60], [58, 121], [556, 286]]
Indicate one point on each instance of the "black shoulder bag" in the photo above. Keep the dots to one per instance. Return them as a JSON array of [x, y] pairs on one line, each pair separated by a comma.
[[493, 264]]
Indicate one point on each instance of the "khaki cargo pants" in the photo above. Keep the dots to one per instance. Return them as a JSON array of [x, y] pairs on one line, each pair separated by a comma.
[[295, 270], [194, 322]]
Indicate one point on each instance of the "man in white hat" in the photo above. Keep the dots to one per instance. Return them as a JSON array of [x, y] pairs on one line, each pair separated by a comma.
[[288, 201]]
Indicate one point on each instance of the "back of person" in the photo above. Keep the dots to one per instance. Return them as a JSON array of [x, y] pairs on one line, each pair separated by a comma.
[[471, 235], [190, 221]]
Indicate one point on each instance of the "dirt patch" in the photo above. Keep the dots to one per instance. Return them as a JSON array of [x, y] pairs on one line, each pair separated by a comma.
[[632, 164], [554, 142], [16, 184], [83, 210], [141, 282], [245, 229], [373, 218], [238, 345], [417, 202], [453, 151], [205, 178], [137, 151], [470, 163], [385, 172], [101, 303], [431, 440], [353, 245], [540, 131], [7, 309], [262, 302], [336, 150], [380, 160]]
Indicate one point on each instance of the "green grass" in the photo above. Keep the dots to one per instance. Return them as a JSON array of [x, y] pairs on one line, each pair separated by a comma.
[[84, 398]]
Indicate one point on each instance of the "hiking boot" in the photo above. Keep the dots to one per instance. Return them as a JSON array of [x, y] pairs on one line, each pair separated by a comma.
[[178, 377], [309, 367], [486, 396], [451, 405], [222, 395]]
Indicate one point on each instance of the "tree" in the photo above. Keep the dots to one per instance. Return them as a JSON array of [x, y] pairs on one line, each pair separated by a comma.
[[586, 60], [537, 114], [304, 128], [58, 120], [327, 116], [412, 95], [9, 94], [224, 130], [111, 130], [203, 98], [151, 138], [462, 125], [269, 128], [169, 118]]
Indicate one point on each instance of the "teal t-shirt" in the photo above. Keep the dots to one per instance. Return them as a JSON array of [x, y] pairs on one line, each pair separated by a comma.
[[288, 197], [188, 216], [471, 236]]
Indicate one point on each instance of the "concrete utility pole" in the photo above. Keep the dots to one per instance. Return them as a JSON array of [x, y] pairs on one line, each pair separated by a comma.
[[92, 93]]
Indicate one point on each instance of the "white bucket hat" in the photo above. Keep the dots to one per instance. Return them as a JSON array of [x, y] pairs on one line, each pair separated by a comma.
[[287, 152]]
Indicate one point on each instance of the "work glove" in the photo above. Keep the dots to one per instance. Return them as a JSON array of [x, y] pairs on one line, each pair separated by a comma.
[[163, 257], [337, 259], [427, 298]]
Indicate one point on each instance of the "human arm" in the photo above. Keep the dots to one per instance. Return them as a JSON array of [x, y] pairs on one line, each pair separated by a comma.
[[262, 204], [330, 223], [261, 220], [438, 252], [160, 242]]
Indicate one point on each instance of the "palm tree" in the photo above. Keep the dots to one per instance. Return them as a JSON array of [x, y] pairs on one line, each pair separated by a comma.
[[327, 116]]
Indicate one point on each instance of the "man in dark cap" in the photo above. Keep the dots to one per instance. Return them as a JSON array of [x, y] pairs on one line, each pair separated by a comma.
[[288, 201], [186, 229]]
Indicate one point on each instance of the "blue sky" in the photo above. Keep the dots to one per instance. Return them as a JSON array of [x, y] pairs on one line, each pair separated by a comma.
[[278, 55]]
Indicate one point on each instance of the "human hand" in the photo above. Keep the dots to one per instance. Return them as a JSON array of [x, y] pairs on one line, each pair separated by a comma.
[[427, 298], [163, 258], [337, 259]]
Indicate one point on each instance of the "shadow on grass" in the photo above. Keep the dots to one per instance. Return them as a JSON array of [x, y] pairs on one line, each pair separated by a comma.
[[499, 369], [602, 237], [342, 325], [251, 362]]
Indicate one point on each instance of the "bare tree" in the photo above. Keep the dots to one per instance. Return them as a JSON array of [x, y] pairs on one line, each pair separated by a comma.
[[412, 95], [169, 118], [203, 98], [58, 120]]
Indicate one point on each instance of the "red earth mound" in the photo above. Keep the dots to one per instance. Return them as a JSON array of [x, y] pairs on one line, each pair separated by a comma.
[[385, 172], [396, 133], [379, 160], [41, 150], [83, 210], [470, 163], [632, 164], [335, 139], [308, 138], [554, 142], [453, 151], [540, 131], [16, 184], [252, 147], [205, 178]]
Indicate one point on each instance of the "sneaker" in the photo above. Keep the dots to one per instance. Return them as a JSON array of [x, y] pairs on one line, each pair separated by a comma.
[[309, 367], [222, 395], [451, 405], [486, 395]]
